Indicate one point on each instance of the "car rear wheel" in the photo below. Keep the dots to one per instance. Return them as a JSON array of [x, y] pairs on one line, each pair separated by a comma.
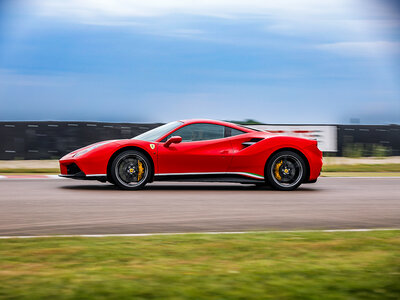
[[131, 170], [285, 170]]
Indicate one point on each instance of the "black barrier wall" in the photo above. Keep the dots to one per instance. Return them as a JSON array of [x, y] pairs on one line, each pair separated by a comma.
[[367, 138], [52, 140]]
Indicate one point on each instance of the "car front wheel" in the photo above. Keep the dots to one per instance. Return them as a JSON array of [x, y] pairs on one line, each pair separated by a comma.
[[131, 170], [285, 170]]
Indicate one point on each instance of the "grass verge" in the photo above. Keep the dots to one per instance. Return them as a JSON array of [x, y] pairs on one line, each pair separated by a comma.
[[362, 168], [304, 265], [29, 171], [360, 174]]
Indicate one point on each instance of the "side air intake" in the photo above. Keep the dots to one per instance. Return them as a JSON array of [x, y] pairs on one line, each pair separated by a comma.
[[251, 142]]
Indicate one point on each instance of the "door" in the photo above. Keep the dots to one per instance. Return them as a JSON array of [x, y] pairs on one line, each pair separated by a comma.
[[203, 150]]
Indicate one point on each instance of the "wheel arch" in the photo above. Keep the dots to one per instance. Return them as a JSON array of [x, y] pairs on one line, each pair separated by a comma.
[[297, 151], [139, 149]]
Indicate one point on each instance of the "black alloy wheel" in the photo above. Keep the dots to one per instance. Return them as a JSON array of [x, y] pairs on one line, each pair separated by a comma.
[[131, 170], [285, 170]]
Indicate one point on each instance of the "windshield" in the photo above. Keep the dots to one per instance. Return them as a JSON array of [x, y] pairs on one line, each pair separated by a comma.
[[158, 132]]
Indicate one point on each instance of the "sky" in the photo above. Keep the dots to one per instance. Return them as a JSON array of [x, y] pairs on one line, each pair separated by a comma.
[[287, 61]]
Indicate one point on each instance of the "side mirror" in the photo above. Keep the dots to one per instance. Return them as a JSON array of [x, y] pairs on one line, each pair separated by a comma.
[[173, 140]]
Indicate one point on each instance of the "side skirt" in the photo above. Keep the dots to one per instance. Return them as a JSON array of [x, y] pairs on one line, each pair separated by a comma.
[[222, 177]]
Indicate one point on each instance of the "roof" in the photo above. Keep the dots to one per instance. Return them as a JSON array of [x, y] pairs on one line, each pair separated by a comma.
[[217, 122]]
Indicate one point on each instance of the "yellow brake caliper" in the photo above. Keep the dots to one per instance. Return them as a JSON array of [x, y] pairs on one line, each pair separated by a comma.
[[276, 170], [141, 170]]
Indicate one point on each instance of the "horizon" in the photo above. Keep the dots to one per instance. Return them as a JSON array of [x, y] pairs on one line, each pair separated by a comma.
[[240, 122]]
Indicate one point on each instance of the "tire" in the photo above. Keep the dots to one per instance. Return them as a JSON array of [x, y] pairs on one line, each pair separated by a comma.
[[285, 170], [131, 170], [109, 179]]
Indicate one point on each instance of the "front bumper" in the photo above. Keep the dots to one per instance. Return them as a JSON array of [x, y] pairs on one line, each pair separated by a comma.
[[70, 169], [82, 176]]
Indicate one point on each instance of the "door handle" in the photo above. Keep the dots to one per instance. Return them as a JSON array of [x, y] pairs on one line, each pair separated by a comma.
[[224, 152]]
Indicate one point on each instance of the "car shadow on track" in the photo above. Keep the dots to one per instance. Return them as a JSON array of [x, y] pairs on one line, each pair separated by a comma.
[[183, 187]]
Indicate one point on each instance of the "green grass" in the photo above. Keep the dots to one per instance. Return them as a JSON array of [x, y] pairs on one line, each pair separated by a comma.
[[351, 265], [362, 168], [30, 171], [360, 174]]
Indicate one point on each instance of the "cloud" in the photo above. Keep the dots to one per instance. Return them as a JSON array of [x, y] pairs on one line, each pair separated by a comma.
[[347, 20], [89, 9], [362, 48]]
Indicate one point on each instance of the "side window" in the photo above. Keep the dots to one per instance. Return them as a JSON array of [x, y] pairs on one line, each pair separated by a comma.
[[232, 131], [199, 132]]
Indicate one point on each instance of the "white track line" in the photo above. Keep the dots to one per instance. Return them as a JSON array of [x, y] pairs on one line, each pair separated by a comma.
[[5, 177], [360, 177], [186, 233], [26, 177], [55, 177]]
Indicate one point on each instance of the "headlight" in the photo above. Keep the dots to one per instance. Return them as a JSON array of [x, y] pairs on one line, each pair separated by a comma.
[[83, 152], [90, 148]]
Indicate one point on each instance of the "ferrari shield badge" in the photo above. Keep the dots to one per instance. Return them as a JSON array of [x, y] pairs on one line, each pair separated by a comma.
[[152, 146]]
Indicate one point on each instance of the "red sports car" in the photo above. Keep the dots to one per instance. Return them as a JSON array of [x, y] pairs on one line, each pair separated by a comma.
[[198, 150]]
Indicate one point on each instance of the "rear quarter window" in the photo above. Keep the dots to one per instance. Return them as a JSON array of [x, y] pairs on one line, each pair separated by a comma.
[[232, 131]]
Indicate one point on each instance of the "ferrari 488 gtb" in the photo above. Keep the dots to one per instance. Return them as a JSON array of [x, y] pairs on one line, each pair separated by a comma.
[[198, 150]]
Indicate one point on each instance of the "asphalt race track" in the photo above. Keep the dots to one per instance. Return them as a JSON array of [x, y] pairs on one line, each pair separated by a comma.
[[63, 206]]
